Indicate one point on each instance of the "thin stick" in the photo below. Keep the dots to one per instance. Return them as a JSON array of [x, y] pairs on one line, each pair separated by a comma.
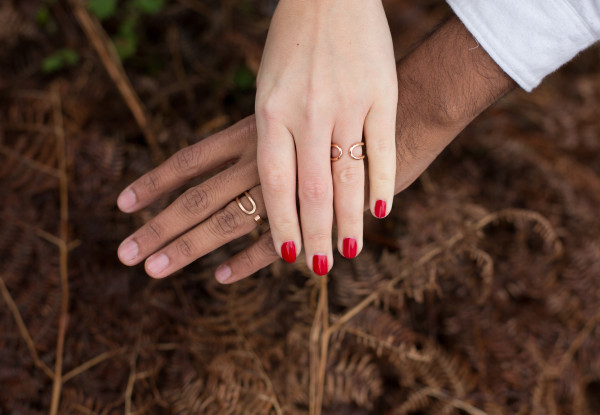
[[320, 386], [92, 362], [23, 329], [63, 249], [132, 375], [112, 63], [315, 331]]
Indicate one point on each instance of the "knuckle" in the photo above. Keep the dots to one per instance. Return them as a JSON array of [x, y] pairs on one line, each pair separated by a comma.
[[381, 180], [266, 248], [247, 258], [154, 230], [227, 222], [195, 200], [284, 226], [316, 111], [185, 159], [150, 181], [184, 246], [275, 181], [317, 239], [314, 190], [268, 108], [380, 147], [347, 174]]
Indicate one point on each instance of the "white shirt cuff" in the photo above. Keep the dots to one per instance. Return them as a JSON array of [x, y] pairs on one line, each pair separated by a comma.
[[529, 39]]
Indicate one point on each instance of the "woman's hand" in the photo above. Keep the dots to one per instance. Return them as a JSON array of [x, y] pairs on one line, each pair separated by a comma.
[[327, 76]]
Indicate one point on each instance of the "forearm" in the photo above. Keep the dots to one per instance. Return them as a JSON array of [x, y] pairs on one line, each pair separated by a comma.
[[444, 83]]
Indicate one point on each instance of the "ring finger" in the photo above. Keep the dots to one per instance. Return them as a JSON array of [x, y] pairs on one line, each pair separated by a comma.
[[222, 227]]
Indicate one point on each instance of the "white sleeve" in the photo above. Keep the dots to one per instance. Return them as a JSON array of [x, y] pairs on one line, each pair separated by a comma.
[[529, 39]]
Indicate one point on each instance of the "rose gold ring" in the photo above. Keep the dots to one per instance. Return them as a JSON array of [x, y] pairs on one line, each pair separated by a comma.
[[252, 211], [252, 202], [354, 147], [340, 152]]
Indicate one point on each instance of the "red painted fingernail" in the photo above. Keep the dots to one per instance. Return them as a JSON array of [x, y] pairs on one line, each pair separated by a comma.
[[350, 248], [320, 264], [380, 208], [288, 251]]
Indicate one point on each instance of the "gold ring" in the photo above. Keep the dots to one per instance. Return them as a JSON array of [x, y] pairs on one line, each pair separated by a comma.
[[340, 152], [355, 146], [246, 211], [252, 211]]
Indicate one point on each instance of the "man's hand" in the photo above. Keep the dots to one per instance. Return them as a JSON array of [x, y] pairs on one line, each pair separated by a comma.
[[445, 82]]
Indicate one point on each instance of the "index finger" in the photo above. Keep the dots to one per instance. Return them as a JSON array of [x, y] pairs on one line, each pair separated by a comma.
[[187, 163]]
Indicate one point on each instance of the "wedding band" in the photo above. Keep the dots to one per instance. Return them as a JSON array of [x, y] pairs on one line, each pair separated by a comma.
[[355, 146], [246, 211], [340, 152]]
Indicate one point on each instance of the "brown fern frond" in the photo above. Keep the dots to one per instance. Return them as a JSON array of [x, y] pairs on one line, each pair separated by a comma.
[[522, 219], [485, 265], [352, 378], [380, 332], [415, 402]]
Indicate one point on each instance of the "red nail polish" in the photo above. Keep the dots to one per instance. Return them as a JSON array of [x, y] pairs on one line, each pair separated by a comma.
[[380, 208], [350, 248], [288, 251], [320, 264]]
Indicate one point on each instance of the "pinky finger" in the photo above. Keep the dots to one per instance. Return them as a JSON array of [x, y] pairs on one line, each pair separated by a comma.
[[247, 262]]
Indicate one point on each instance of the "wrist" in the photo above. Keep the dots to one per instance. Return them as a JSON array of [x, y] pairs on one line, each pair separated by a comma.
[[460, 81]]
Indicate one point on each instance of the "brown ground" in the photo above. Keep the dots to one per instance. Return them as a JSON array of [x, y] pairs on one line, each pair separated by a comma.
[[480, 295]]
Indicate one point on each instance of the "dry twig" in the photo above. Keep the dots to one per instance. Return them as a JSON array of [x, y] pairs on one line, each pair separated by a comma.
[[108, 55]]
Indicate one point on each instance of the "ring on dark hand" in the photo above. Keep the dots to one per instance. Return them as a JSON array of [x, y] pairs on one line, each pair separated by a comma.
[[252, 211]]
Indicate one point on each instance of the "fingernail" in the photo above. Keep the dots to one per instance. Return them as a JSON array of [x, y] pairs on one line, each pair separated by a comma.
[[157, 263], [288, 251], [128, 251], [223, 273], [320, 264], [126, 200], [380, 208], [350, 248]]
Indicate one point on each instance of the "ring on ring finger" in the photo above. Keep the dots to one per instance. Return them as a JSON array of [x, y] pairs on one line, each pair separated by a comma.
[[252, 211]]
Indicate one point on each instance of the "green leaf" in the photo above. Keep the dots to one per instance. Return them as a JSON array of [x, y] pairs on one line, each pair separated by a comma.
[[52, 63], [128, 25], [150, 6], [103, 9], [243, 78], [126, 46], [70, 57], [59, 59], [42, 16]]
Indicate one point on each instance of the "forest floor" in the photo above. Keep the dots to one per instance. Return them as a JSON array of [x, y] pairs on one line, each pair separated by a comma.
[[480, 294]]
